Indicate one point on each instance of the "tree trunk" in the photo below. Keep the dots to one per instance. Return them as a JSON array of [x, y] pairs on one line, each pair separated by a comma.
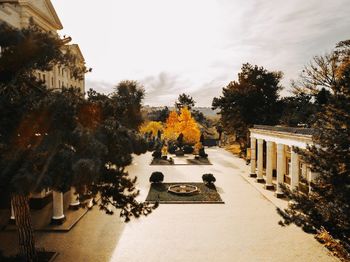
[[24, 227]]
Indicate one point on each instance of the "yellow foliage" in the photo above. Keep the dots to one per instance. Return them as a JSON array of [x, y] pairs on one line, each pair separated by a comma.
[[171, 126], [197, 147], [152, 126], [183, 123]]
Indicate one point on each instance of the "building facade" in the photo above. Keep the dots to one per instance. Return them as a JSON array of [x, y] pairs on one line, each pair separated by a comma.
[[273, 160], [18, 14]]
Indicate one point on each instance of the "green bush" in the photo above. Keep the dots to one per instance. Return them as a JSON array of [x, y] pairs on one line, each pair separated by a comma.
[[202, 153], [156, 177], [208, 179], [157, 154], [188, 149]]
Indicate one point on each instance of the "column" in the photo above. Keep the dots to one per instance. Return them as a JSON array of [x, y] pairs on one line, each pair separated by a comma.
[[294, 159], [12, 218], [260, 178], [252, 157], [269, 164], [281, 169], [274, 159], [58, 217], [74, 199], [313, 176]]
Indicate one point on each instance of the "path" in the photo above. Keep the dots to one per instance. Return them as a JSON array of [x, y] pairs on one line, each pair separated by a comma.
[[245, 228]]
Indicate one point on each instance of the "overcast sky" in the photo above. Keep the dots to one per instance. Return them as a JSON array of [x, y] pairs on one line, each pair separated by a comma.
[[198, 46]]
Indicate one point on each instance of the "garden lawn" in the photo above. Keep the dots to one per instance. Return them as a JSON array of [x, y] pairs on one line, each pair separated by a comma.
[[207, 195]]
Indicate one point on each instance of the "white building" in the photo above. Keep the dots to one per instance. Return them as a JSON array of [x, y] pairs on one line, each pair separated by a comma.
[[273, 161], [18, 13]]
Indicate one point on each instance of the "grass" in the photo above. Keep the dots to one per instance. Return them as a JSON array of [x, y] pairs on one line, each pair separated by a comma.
[[159, 193]]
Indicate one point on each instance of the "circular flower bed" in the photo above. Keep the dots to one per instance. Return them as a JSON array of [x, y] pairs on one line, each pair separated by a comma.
[[183, 189]]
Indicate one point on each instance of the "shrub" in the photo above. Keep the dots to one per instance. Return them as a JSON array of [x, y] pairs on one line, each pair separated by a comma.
[[188, 149], [164, 157], [202, 153], [208, 178], [157, 154], [172, 148], [156, 177], [179, 152]]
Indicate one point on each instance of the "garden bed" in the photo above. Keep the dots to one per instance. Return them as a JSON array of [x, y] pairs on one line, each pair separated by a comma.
[[161, 162], [199, 161], [207, 194]]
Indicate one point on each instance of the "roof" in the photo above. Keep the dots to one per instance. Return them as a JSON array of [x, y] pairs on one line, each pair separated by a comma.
[[286, 129], [43, 8]]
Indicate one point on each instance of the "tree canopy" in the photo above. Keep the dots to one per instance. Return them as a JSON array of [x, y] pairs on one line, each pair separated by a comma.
[[184, 100], [327, 205], [182, 124], [58, 139], [252, 99]]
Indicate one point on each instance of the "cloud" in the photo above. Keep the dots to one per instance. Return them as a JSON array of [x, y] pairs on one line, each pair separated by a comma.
[[197, 47], [99, 86]]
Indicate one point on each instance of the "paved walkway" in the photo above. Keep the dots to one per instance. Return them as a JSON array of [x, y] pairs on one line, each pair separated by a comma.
[[245, 228]]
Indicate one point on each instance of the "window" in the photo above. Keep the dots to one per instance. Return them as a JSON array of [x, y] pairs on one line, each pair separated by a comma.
[[52, 81]]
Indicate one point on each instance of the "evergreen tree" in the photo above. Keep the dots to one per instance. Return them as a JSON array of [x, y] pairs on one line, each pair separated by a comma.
[[327, 205], [184, 101], [253, 99], [127, 97], [57, 139]]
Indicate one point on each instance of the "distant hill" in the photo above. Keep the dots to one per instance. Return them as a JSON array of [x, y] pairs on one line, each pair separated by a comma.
[[207, 111]]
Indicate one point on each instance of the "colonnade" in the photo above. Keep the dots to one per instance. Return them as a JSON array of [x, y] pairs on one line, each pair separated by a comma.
[[58, 216], [276, 161]]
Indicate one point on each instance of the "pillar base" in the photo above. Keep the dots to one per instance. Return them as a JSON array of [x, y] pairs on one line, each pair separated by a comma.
[[58, 221], [253, 175], [269, 187], [279, 195], [260, 180], [12, 221], [74, 206]]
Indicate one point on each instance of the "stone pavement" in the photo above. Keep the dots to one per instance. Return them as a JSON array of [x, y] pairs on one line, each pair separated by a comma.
[[245, 228]]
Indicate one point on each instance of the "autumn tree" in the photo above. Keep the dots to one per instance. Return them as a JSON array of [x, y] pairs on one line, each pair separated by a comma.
[[188, 127], [182, 124], [252, 99], [327, 205], [171, 131], [57, 139], [152, 127]]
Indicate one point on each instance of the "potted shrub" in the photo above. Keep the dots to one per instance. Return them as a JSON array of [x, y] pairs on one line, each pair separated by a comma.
[[156, 177], [179, 152], [208, 179], [172, 148], [157, 154], [188, 149], [202, 153]]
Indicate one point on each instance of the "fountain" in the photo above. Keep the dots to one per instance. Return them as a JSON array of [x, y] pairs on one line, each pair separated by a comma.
[[183, 189]]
